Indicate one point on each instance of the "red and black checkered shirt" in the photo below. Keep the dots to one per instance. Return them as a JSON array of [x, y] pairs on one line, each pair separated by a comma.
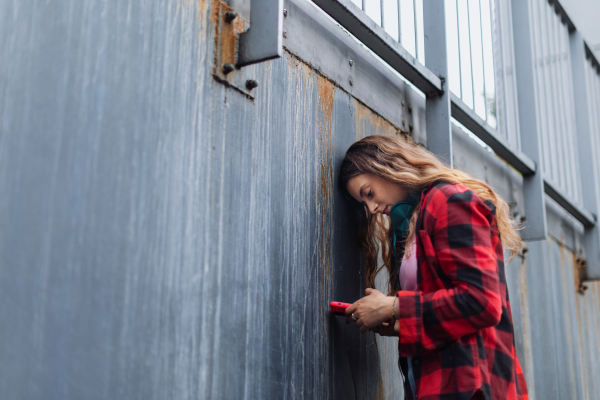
[[458, 325]]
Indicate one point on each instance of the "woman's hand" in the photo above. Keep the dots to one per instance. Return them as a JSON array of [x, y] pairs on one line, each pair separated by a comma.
[[385, 329], [371, 310]]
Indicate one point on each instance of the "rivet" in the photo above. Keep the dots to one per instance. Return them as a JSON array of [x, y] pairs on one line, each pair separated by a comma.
[[284, 13], [351, 82], [284, 33], [403, 103], [227, 68], [251, 84], [409, 109], [230, 16], [351, 62], [410, 127]]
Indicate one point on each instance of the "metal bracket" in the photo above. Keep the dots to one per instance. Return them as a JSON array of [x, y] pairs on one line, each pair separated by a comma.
[[229, 25], [264, 40]]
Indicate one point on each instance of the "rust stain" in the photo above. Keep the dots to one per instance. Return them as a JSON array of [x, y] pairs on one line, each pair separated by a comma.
[[525, 319], [368, 122], [576, 264], [300, 82], [203, 6], [566, 308], [324, 113], [326, 91], [226, 38], [596, 310]]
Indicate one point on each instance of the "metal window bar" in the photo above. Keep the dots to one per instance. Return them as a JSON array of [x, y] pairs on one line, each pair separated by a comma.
[[488, 61], [469, 29], [464, 47], [485, 111], [501, 59], [529, 86], [507, 112], [573, 142], [415, 29], [452, 35], [399, 22], [565, 129]]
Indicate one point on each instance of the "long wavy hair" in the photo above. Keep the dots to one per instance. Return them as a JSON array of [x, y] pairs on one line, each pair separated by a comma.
[[400, 160]]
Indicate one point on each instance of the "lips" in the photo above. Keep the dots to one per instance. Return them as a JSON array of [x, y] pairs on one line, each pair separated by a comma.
[[386, 211]]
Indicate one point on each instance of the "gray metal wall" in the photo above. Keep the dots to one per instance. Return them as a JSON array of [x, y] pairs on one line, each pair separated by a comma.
[[164, 236]]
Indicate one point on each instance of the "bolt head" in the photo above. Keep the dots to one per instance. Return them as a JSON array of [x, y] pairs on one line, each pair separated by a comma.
[[351, 62], [284, 33], [284, 13], [351, 82], [230, 16], [251, 84], [227, 68]]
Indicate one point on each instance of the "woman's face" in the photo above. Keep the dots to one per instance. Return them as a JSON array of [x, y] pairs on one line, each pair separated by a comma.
[[378, 194]]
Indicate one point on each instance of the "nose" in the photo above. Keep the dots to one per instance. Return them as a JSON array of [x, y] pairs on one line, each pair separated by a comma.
[[372, 207]]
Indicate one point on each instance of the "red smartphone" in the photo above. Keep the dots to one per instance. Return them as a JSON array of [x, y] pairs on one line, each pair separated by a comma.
[[338, 308]]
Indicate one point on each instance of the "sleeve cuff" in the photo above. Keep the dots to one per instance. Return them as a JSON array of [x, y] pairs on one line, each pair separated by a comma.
[[409, 305]]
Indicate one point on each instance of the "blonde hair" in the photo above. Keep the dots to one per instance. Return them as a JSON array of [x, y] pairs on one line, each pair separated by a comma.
[[400, 160]]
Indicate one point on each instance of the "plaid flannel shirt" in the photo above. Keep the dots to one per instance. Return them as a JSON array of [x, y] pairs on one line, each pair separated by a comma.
[[458, 325]]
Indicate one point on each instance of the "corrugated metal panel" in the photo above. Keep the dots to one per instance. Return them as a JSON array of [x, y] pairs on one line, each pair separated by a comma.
[[164, 233], [555, 106], [166, 236], [593, 101]]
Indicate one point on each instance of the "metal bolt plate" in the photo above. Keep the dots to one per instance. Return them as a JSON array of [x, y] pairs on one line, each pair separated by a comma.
[[229, 24]]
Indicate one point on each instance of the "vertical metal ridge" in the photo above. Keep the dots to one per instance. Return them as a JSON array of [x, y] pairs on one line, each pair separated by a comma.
[[437, 109], [533, 185], [589, 176]]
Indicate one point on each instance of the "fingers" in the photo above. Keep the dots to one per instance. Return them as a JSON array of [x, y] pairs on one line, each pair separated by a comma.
[[383, 330], [359, 323], [351, 308], [368, 291], [364, 329]]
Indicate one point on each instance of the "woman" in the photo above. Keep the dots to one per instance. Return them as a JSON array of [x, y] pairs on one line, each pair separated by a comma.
[[448, 300]]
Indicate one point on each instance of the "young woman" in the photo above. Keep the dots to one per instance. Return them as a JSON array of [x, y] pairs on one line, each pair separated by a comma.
[[441, 235]]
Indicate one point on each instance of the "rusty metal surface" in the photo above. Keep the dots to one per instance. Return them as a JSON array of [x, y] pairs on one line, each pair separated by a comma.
[[164, 235]]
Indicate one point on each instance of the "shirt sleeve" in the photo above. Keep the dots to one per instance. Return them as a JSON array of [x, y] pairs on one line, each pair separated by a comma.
[[458, 244]]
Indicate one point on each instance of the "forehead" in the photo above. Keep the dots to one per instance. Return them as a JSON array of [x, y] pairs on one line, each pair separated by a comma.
[[360, 181]]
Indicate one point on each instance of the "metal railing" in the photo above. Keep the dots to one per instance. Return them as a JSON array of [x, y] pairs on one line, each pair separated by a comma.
[[510, 71], [401, 19]]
